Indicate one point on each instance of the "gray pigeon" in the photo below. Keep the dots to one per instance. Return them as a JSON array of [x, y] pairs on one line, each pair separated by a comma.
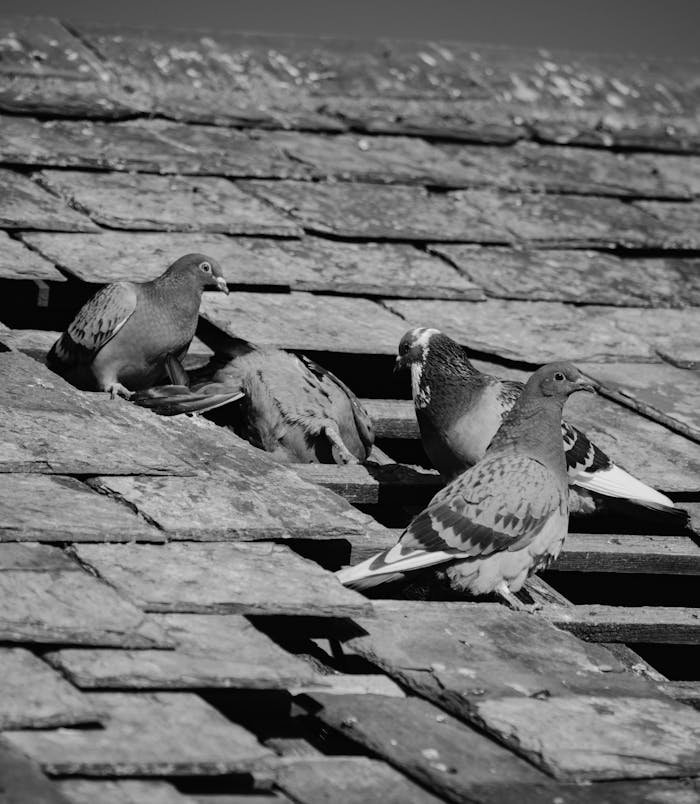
[[459, 409], [504, 518], [292, 407], [119, 340]]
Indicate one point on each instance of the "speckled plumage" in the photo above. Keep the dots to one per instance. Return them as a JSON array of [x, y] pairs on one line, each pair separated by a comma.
[[292, 407], [467, 406], [505, 517], [121, 337]]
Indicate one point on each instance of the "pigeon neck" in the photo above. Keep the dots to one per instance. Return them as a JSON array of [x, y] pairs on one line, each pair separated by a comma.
[[181, 292], [441, 376], [533, 427]]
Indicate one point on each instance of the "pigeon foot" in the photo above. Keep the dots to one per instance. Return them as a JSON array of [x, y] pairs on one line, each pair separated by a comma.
[[503, 591], [117, 389]]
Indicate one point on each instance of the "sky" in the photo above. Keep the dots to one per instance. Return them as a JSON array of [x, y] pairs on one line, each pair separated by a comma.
[[666, 28]]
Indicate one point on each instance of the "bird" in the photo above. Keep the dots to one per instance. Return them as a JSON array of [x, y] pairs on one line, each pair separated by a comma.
[[291, 406], [505, 517], [120, 338], [460, 408]]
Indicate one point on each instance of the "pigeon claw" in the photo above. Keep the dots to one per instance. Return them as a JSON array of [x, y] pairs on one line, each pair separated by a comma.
[[503, 591], [117, 389]]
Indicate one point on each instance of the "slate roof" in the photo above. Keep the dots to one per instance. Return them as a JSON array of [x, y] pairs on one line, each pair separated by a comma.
[[170, 629]]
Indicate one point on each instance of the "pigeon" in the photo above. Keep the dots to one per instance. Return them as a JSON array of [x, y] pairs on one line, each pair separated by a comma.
[[502, 519], [291, 406], [120, 338], [459, 409]]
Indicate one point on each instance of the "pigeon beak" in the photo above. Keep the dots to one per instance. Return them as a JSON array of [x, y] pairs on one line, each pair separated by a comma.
[[221, 284], [399, 364], [584, 384]]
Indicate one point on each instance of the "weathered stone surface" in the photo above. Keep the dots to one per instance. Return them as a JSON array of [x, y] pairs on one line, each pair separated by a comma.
[[127, 791], [304, 321], [258, 578], [681, 217], [585, 277], [32, 695], [671, 625], [559, 169], [434, 749], [533, 332], [460, 120], [49, 427], [350, 780], [166, 203], [148, 146], [592, 737], [602, 552], [24, 205], [401, 160], [253, 498], [213, 650], [22, 780], [147, 734], [457, 653], [678, 169], [19, 262], [55, 508], [672, 334], [573, 221], [307, 264], [376, 212], [48, 599], [47, 70], [671, 391]]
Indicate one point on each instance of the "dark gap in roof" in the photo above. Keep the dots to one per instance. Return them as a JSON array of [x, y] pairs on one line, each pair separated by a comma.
[[676, 662], [226, 784], [625, 589], [369, 375]]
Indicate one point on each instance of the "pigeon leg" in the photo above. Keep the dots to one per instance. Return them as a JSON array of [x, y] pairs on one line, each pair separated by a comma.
[[503, 591], [117, 389], [341, 454]]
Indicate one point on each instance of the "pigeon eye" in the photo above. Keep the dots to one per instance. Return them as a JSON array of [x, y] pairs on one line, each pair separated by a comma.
[[206, 267], [559, 376]]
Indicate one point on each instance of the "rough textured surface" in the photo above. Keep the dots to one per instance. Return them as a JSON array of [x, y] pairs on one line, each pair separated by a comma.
[[216, 650], [370, 211], [223, 578], [50, 599], [120, 201], [433, 748], [145, 735], [586, 277], [535, 204], [598, 738], [129, 791], [56, 508], [308, 264], [35, 696], [305, 321], [25, 205], [352, 780]]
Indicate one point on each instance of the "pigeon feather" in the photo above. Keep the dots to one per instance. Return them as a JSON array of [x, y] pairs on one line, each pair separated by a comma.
[[459, 409]]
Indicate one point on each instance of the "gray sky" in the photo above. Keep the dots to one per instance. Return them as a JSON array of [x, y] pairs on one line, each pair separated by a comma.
[[648, 27]]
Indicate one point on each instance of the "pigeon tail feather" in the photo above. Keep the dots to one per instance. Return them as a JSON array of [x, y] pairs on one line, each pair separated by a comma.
[[616, 482], [384, 567]]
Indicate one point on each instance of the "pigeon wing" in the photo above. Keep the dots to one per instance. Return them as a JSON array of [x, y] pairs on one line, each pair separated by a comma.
[[363, 421], [591, 469], [500, 504], [98, 321]]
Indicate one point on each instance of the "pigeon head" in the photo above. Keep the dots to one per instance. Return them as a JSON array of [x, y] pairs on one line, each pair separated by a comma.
[[557, 380], [200, 269], [414, 346]]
